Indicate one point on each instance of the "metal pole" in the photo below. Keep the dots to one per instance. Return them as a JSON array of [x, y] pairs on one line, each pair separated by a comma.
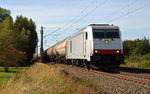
[[41, 49]]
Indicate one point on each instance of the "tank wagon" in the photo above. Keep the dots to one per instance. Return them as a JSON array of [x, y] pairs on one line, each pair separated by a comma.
[[97, 45]]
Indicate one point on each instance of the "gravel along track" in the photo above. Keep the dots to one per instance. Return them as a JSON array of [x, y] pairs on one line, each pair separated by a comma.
[[106, 83]]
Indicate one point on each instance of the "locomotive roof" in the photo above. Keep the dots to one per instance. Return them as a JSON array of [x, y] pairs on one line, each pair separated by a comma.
[[97, 26], [101, 26]]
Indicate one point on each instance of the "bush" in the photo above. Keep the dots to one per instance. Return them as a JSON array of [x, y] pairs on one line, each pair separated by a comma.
[[139, 61], [136, 47], [147, 63], [146, 56], [135, 58]]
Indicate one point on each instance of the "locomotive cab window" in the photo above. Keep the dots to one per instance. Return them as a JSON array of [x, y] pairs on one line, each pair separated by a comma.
[[112, 33], [108, 33], [97, 33]]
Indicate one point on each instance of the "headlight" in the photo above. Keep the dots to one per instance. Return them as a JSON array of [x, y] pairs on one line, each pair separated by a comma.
[[106, 41], [95, 51], [117, 51]]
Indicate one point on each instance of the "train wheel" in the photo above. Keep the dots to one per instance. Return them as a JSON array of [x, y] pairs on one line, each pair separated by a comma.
[[89, 66], [81, 63], [85, 64], [68, 62], [73, 62], [77, 62]]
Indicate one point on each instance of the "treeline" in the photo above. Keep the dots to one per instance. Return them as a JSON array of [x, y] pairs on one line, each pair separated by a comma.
[[18, 40], [136, 47]]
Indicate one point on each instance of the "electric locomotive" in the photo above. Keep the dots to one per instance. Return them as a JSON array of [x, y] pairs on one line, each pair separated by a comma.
[[97, 45]]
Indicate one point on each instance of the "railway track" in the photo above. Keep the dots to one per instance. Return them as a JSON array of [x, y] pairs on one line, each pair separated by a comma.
[[132, 77], [111, 82], [135, 70], [127, 76]]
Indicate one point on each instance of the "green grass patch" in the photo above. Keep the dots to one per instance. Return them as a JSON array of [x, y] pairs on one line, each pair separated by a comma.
[[46, 79], [141, 61], [5, 76]]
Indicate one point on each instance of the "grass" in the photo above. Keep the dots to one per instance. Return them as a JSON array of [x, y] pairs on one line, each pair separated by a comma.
[[4, 77], [84, 82], [46, 79], [142, 61]]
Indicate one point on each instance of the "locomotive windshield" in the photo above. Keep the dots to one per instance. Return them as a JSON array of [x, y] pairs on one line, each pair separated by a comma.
[[109, 33]]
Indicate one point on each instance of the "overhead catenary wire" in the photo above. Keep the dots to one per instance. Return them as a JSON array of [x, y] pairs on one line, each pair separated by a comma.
[[71, 20], [130, 12], [85, 15], [80, 13], [114, 12], [67, 24], [52, 32]]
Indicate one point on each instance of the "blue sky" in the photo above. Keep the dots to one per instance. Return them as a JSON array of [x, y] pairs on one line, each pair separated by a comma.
[[53, 14]]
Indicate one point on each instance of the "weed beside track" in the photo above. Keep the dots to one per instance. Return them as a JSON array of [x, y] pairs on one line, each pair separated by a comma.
[[44, 79]]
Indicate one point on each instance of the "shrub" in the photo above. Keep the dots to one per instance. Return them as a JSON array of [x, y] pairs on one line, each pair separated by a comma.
[[135, 58], [147, 63], [146, 56]]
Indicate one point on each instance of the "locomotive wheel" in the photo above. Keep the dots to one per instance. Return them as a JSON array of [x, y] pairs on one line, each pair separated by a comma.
[[81, 63], [89, 66], [77, 62], [68, 62], [73, 62], [85, 64]]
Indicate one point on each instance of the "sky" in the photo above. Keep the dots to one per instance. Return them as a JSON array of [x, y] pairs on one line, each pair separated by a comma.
[[132, 16]]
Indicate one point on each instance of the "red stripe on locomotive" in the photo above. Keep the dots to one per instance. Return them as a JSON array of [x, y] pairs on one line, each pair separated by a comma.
[[107, 51]]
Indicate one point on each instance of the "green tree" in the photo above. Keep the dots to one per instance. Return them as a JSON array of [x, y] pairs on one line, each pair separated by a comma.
[[9, 45], [136, 47], [28, 30], [128, 47], [141, 47], [4, 13]]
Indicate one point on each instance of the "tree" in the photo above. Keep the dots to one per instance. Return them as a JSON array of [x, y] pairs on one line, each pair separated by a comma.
[[4, 13], [9, 45], [128, 47], [136, 47], [17, 40], [141, 47], [28, 30]]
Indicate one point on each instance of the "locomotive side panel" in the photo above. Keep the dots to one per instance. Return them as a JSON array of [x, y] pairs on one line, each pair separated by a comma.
[[88, 43], [76, 47], [80, 46]]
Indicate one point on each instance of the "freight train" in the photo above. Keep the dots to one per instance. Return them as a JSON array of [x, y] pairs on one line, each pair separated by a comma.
[[97, 45]]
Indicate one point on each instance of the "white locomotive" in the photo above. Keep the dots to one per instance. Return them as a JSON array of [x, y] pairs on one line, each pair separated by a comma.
[[95, 45]]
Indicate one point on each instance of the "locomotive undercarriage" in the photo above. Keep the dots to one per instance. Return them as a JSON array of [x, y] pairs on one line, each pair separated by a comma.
[[97, 61], [107, 61]]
